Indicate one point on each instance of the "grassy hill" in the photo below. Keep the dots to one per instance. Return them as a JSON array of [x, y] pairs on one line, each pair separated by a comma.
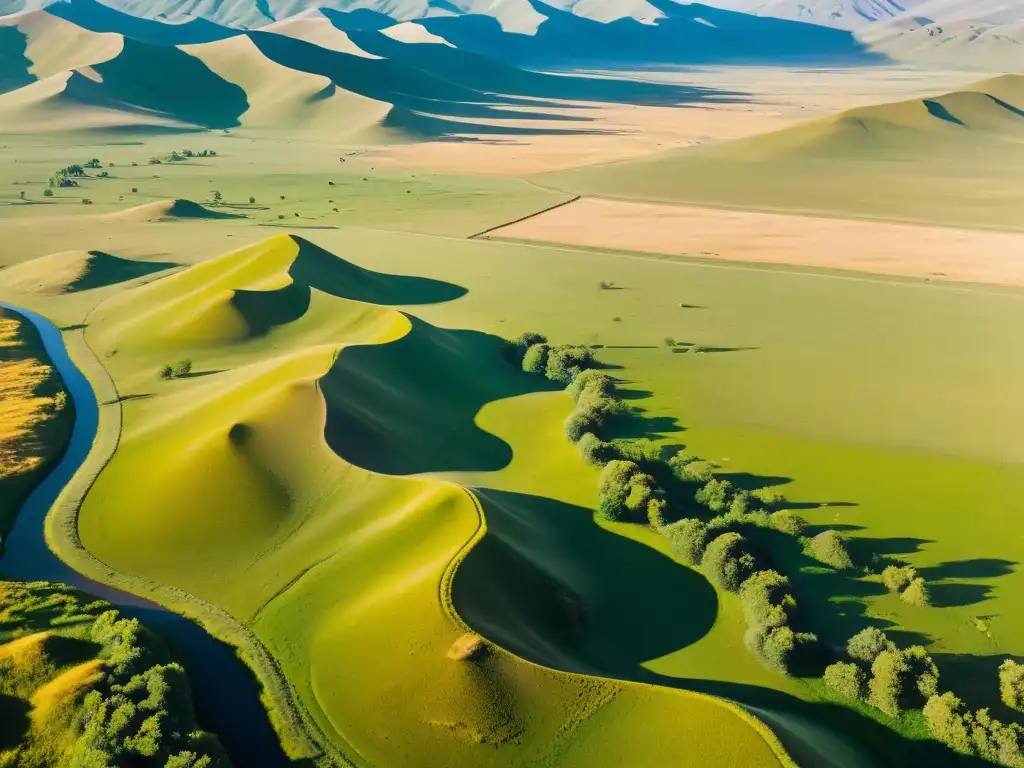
[[947, 159], [236, 467]]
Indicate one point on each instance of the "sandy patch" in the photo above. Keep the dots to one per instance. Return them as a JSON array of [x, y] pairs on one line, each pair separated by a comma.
[[905, 250]]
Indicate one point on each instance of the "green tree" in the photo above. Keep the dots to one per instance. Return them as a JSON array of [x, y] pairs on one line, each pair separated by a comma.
[[891, 677], [535, 359], [1011, 684], [916, 593], [829, 547], [714, 494], [946, 720], [591, 380], [688, 538], [595, 451], [787, 521], [727, 562], [845, 678], [218, 198], [657, 510], [47, 192], [767, 601], [867, 644], [897, 578]]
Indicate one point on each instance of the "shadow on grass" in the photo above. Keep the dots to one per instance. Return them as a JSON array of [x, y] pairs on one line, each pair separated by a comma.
[[550, 585], [14, 721], [410, 406]]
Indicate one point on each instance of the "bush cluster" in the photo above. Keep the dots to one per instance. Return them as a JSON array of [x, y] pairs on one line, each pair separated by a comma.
[[904, 580], [975, 734], [175, 371], [829, 547], [625, 493]]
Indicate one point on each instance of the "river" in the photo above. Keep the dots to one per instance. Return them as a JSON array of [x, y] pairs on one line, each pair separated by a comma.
[[225, 690]]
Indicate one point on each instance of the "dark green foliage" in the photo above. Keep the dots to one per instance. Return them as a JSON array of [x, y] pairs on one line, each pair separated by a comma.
[[780, 648], [740, 504], [787, 521], [769, 497], [902, 680], [592, 381], [767, 601], [165, 373], [624, 491], [688, 539], [829, 547], [657, 509], [595, 451], [946, 717], [94, 163], [867, 644], [535, 359], [565, 362], [177, 370], [727, 562], [252, 200], [583, 421], [47, 192], [845, 678], [1011, 684], [714, 494], [974, 733]]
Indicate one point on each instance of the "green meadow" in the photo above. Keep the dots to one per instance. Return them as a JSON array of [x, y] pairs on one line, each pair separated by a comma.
[[346, 384]]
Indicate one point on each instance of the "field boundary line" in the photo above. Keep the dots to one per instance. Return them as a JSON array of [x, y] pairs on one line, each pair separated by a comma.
[[528, 216]]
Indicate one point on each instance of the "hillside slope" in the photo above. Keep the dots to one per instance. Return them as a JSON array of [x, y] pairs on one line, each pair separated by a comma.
[[347, 572], [946, 159]]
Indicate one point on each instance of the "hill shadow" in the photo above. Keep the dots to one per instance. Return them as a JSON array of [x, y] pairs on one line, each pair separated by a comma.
[[106, 269], [14, 64], [162, 80], [410, 406], [551, 586], [688, 34], [14, 721]]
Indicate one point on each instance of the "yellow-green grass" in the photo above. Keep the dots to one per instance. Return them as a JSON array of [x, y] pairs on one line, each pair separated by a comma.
[[346, 571], [265, 169], [34, 426], [946, 160]]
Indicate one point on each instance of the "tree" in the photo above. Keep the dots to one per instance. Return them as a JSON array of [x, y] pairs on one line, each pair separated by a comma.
[[669, 342], [829, 547], [1011, 684], [22, 195], [566, 362], [780, 647], [613, 487], [252, 200], [582, 421], [688, 538], [924, 672], [94, 163], [916, 593], [593, 381], [218, 198], [727, 562], [47, 193], [867, 644], [946, 720], [165, 373], [897, 578], [787, 521], [740, 504], [656, 511], [767, 601], [535, 359], [714, 494], [595, 451], [845, 678], [890, 679]]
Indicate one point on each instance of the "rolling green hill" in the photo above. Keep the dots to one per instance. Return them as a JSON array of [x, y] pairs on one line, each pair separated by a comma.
[[235, 468]]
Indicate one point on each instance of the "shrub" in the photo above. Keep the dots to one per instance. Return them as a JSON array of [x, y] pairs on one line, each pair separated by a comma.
[[767, 601], [165, 373], [768, 496], [867, 644], [135, 189], [595, 451], [669, 342], [787, 521], [890, 679], [593, 381], [688, 538], [829, 547], [182, 368], [252, 200], [566, 362], [916, 593], [1011, 684], [924, 672], [606, 285], [740, 504], [779, 648], [897, 578], [614, 487], [47, 192], [60, 401], [535, 359], [845, 678], [656, 511], [726, 561], [155, 161], [583, 421], [642, 490], [945, 716], [714, 494], [86, 201]]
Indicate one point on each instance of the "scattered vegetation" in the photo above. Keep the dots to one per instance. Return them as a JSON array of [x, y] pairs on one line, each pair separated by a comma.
[[1011, 684], [102, 690], [829, 547], [175, 371]]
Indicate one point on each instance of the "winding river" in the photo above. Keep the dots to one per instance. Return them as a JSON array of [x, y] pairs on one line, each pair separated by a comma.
[[225, 691]]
